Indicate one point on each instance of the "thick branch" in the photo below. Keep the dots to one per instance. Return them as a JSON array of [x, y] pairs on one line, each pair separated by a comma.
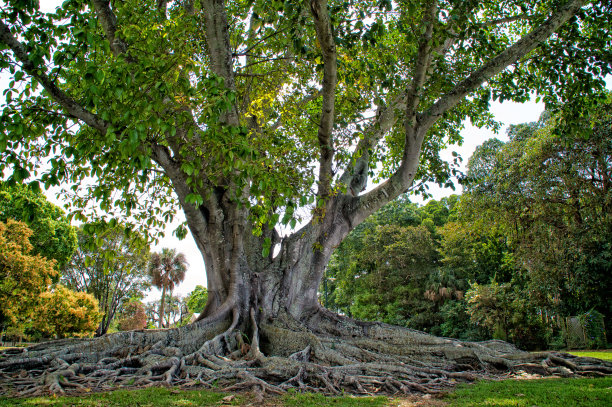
[[510, 19], [108, 21], [401, 180], [323, 28], [496, 65], [217, 39], [422, 63], [196, 218], [355, 175], [68, 103]]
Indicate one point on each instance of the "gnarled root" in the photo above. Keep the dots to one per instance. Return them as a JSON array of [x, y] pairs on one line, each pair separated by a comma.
[[328, 354]]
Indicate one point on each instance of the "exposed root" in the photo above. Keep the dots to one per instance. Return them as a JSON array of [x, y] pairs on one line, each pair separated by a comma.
[[328, 356]]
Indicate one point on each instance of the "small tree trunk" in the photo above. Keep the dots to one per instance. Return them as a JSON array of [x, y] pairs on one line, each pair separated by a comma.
[[161, 307]]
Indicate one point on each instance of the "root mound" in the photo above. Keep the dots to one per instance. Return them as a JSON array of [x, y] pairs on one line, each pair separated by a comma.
[[331, 354]]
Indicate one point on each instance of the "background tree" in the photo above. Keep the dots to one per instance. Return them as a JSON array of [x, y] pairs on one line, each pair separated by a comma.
[[167, 270], [250, 115], [53, 237], [66, 313], [132, 316], [23, 276], [109, 264], [196, 300], [176, 312], [552, 194]]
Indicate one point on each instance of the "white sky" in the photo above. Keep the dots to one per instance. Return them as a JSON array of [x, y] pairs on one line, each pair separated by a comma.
[[507, 113]]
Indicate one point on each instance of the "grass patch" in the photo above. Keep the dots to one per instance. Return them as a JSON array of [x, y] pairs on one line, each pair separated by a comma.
[[541, 393], [160, 396], [516, 393], [319, 400], [151, 397], [599, 354]]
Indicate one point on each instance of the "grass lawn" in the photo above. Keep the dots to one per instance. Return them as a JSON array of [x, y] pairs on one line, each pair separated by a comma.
[[600, 354], [541, 393], [519, 393]]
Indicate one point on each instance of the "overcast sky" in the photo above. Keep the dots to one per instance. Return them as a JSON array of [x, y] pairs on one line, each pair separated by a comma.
[[507, 113]]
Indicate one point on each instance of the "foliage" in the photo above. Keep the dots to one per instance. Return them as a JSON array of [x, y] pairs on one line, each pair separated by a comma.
[[166, 270], [23, 276], [128, 120], [132, 316], [458, 324], [594, 329], [111, 265], [52, 235], [508, 315], [196, 300], [65, 313], [387, 269], [549, 195]]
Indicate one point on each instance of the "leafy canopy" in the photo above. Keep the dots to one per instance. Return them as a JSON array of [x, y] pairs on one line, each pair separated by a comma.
[[153, 87]]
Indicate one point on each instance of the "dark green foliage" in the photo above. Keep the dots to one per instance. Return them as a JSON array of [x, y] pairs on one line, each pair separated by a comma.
[[528, 243], [551, 197], [387, 269]]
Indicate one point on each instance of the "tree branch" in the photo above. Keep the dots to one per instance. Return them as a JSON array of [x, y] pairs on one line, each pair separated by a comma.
[[72, 107], [510, 19], [421, 66], [355, 175], [400, 181], [323, 28], [496, 65], [108, 21]]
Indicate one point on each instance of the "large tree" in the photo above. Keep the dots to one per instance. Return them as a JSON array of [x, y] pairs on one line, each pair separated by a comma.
[[252, 114]]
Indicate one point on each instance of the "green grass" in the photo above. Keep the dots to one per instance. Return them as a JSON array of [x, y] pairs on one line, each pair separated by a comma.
[[151, 397], [601, 354], [319, 400], [516, 393], [541, 393]]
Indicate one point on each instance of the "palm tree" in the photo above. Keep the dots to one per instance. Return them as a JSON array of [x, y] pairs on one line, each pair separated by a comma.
[[167, 270]]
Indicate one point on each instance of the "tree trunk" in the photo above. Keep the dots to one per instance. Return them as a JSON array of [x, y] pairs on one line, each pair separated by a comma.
[[161, 307]]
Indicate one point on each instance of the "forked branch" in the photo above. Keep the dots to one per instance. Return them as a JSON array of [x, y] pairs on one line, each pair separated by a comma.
[[325, 37]]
